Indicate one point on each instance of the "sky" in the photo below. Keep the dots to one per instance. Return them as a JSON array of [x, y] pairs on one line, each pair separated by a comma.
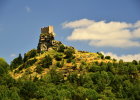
[[108, 26]]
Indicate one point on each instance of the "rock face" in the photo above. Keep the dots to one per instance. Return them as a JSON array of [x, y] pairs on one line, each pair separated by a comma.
[[46, 40]]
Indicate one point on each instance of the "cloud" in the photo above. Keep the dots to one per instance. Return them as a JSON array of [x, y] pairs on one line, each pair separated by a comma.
[[28, 9], [102, 33], [13, 55], [128, 57], [78, 23]]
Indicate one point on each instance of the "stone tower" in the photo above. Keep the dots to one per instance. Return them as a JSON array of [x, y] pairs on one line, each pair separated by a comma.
[[48, 29], [46, 38]]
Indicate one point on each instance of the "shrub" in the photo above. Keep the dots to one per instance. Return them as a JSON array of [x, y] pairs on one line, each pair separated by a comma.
[[100, 55], [134, 62], [61, 48], [39, 69], [58, 64], [69, 60], [69, 52], [46, 61], [107, 57], [58, 57]]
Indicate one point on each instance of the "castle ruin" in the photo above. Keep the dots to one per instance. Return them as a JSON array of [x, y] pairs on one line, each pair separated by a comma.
[[46, 40]]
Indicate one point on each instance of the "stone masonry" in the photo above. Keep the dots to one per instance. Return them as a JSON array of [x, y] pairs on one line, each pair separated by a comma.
[[46, 40]]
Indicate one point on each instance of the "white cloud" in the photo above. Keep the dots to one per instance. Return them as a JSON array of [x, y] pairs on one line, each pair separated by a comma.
[[13, 55], [136, 33], [113, 34], [137, 24], [28, 9], [78, 23], [128, 57]]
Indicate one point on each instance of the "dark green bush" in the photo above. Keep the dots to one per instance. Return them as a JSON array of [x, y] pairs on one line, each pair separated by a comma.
[[46, 61], [107, 57], [58, 57], [39, 69], [61, 48], [69, 52], [58, 64], [69, 60]]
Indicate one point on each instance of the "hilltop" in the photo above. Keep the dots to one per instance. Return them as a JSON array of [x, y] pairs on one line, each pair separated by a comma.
[[66, 58], [55, 71]]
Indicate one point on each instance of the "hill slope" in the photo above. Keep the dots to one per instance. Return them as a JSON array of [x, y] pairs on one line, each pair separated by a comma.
[[71, 63]]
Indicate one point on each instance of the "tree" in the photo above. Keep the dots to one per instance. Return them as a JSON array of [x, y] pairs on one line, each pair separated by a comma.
[[134, 62], [55, 77], [16, 62], [94, 68], [3, 63], [3, 67], [30, 54], [121, 62], [29, 90]]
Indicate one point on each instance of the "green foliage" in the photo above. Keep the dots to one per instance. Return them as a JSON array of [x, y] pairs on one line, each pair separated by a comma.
[[16, 62], [94, 81], [107, 57], [32, 53], [54, 76], [39, 69], [28, 90], [134, 62], [61, 48], [9, 93], [58, 57], [28, 63], [69, 53], [3, 66], [3, 63], [94, 68], [69, 60], [46, 61], [60, 64], [100, 55]]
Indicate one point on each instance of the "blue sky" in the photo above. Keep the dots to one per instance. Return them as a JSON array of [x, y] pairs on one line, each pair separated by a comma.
[[21, 20]]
